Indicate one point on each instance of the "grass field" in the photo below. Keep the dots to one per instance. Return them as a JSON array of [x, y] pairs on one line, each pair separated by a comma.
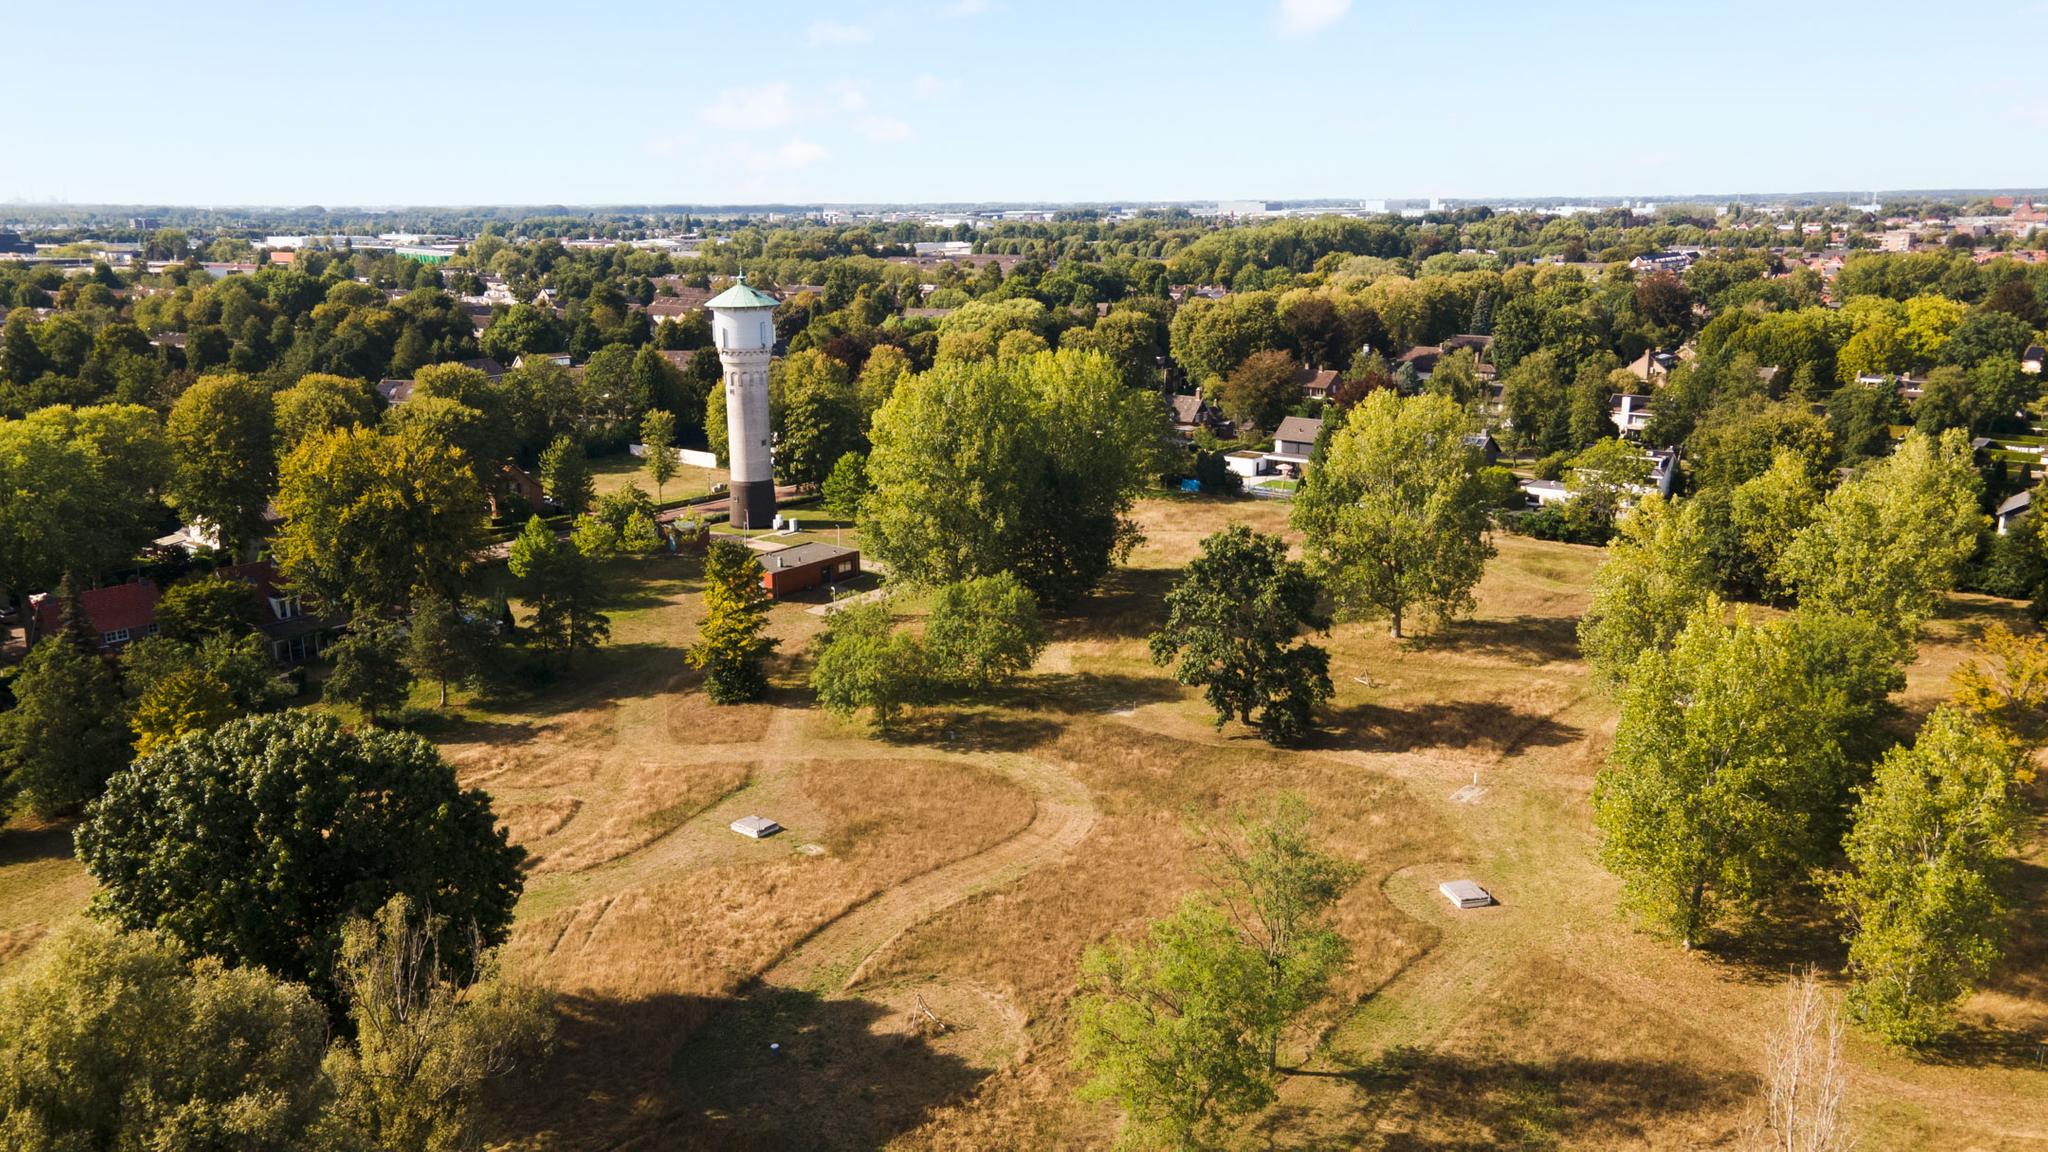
[[615, 472], [911, 943]]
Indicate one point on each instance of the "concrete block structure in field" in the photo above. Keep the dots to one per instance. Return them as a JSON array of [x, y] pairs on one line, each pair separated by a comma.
[[743, 326]]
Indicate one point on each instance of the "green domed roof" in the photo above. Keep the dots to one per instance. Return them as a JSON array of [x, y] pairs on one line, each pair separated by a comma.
[[742, 296]]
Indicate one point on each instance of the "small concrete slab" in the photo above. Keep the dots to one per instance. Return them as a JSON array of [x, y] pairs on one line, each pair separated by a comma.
[[756, 827], [1465, 894]]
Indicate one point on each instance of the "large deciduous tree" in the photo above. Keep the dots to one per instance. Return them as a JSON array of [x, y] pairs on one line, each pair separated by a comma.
[[1262, 390], [114, 1042], [1656, 575], [1932, 835], [1234, 624], [1732, 761], [223, 434], [1027, 465], [371, 518], [1393, 513], [558, 581], [257, 842], [1891, 539]]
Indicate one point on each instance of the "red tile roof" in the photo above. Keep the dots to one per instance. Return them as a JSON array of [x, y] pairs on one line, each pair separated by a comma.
[[117, 607]]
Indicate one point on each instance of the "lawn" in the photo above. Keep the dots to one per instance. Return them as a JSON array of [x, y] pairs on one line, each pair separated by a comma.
[[953, 875], [615, 472]]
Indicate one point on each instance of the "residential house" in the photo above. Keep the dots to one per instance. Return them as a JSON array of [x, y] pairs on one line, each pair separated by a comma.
[[1318, 384], [1630, 412], [1486, 446], [1422, 358], [120, 614], [394, 392], [2033, 358], [1192, 413], [116, 615], [1654, 366], [1296, 437], [562, 358]]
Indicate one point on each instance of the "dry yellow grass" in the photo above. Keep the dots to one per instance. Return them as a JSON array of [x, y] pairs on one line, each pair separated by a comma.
[[1548, 1021]]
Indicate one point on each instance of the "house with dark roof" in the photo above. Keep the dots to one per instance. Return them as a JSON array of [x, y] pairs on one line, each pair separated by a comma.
[[2012, 509], [1317, 384], [788, 571], [2033, 359], [1192, 413], [1296, 436], [394, 392], [1422, 358]]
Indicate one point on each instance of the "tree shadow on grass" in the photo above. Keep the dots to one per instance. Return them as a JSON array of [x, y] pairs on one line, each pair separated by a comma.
[[1433, 1102], [1083, 693], [1129, 603], [1793, 933], [693, 1073], [971, 730], [1528, 640], [20, 845], [1493, 726]]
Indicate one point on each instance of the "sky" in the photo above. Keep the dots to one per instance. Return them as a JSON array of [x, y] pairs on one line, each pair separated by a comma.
[[388, 102]]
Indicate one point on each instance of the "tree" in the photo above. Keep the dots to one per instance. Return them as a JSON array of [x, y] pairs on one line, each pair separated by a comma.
[[716, 433], [320, 403], [639, 537], [371, 518], [1170, 1028], [200, 606], [1234, 621], [1260, 391], [369, 670], [730, 645], [1393, 515], [1804, 1075], [1657, 574], [224, 455], [1024, 465], [658, 437], [95, 473], [1860, 418], [1767, 513], [559, 583], [983, 631], [1600, 481], [845, 487], [189, 699], [1731, 760], [66, 732], [1889, 540], [819, 425], [565, 476], [1279, 889], [429, 1034], [862, 662], [256, 843], [446, 644], [114, 1042], [1931, 838]]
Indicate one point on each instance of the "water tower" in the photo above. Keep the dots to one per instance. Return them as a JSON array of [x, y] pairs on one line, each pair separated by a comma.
[[743, 324]]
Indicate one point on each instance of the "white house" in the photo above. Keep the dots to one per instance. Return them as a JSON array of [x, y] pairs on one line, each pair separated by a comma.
[[1630, 413]]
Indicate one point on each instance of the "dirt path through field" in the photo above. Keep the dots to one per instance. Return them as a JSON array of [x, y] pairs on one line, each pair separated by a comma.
[[834, 958]]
